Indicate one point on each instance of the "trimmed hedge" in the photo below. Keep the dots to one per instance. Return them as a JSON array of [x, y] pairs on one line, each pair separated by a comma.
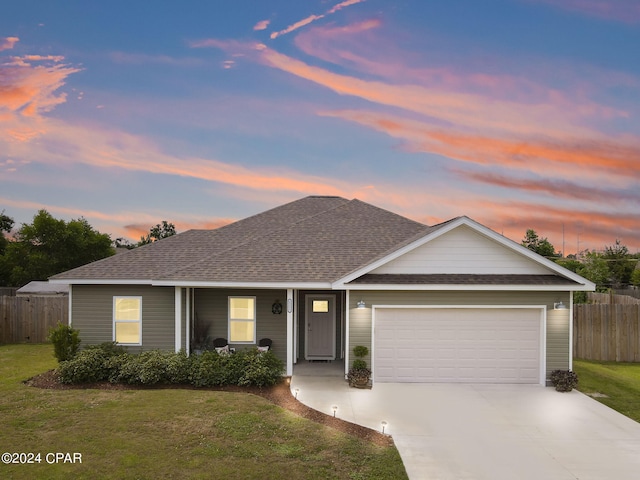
[[110, 363]]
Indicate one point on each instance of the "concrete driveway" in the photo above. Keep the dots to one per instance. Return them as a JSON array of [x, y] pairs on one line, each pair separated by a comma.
[[493, 432]]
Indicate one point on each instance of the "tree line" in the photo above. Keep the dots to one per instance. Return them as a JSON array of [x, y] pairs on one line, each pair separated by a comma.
[[47, 246], [614, 267]]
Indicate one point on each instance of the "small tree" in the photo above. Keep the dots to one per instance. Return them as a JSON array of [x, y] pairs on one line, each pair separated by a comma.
[[158, 232], [66, 341], [359, 374], [541, 246]]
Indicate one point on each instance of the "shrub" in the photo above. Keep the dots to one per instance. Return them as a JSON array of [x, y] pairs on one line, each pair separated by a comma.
[[564, 380], [110, 349], [66, 341], [262, 369], [89, 365], [110, 362], [207, 370], [359, 364], [360, 351]]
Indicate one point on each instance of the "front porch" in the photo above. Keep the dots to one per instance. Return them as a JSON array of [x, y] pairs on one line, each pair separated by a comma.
[[307, 327]]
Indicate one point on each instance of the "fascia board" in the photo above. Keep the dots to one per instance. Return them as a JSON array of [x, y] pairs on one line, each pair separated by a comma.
[[257, 285], [95, 281], [454, 287]]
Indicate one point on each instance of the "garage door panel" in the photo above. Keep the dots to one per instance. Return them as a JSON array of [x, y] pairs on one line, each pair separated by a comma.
[[457, 345]]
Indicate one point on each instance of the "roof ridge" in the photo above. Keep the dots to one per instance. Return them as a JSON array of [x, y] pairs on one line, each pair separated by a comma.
[[262, 234]]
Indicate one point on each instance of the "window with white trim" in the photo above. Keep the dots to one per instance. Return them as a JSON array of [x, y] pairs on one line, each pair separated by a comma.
[[242, 319], [127, 320]]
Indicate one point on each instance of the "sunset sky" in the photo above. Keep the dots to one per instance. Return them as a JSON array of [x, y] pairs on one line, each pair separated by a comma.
[[517, 113]]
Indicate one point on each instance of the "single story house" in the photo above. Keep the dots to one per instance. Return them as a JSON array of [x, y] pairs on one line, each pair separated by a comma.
[[453, 302]]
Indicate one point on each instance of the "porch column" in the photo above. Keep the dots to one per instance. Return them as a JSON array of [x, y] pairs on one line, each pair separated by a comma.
[[290, 339], [178, 314], [187, 341]]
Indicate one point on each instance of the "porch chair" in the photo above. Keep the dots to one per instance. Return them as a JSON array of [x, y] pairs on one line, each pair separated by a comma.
[[264, 345], [222, 346]]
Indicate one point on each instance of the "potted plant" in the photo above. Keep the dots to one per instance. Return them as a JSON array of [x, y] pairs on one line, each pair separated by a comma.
[[564, 380], [359, 374]]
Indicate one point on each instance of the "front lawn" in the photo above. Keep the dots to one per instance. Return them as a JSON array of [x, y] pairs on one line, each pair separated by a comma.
[[169, 433], [620, 382]]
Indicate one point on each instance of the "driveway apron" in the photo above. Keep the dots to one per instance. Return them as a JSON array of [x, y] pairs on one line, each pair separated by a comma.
[[493, 432]]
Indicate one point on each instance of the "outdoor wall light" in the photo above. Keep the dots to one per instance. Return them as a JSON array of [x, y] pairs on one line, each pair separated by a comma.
[[361, 304], [559, 306], [335, 409], [384, 425]]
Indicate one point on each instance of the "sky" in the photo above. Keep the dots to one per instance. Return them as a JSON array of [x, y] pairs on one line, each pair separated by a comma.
[[517, 113]]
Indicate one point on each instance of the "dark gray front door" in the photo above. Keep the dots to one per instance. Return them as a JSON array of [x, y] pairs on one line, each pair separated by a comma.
[[321, 327]]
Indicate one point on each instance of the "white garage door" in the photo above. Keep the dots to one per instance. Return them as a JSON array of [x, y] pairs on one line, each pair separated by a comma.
[[478, 345]]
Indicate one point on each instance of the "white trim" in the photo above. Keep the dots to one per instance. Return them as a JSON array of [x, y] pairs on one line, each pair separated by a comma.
[[331, 296], [254, 320], [106, 281], [543, 328], [461, 287], [187, 328], [70, 300], [290, 335], [570, 331], [178, 319], [113, 319], [347, 349], [254, 285], [584, 283]]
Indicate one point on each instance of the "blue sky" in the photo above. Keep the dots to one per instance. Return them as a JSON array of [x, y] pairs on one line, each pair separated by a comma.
[[517, 113]]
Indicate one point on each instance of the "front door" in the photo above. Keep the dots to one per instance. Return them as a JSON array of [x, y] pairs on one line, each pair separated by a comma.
[[320, 316]]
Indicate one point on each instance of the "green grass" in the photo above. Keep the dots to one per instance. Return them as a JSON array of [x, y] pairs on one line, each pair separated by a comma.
[[620, 382], [169, 433]]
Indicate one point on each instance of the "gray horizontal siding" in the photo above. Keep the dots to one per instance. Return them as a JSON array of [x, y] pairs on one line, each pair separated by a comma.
[[557, 338], [211, 307], [92, 314]]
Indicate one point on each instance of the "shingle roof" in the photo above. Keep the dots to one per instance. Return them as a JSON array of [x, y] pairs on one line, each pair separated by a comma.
[[315, 239]]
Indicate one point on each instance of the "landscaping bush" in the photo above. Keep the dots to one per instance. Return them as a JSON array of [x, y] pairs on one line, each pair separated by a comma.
[[66, 341], [564, 380], [261, 369], [207, 370], [89, 365], [110, 362]]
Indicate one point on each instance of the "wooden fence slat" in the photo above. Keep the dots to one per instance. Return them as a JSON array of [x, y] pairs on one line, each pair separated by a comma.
[[28, 319], [607, 332]]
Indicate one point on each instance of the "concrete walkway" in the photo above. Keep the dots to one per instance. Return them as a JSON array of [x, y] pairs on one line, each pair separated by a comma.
[[493, 432]]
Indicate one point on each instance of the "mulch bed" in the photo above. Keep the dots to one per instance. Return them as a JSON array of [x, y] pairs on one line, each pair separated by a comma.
[[279, 395]]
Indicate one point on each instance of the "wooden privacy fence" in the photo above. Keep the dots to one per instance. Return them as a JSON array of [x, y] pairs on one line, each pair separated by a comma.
[[595, 297], [607, 332], [28, 319]]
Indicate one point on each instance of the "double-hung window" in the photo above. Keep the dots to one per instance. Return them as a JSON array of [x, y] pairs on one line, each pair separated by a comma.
[[127, 320], [242, 319]]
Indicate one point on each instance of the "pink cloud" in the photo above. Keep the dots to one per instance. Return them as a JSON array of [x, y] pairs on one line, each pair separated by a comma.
[[28, 89], [444, 105], [552, 187], [529, 153], [7, 43], [344, 4], [312, 18], [296, 25], [627, 11], [261, 25]]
